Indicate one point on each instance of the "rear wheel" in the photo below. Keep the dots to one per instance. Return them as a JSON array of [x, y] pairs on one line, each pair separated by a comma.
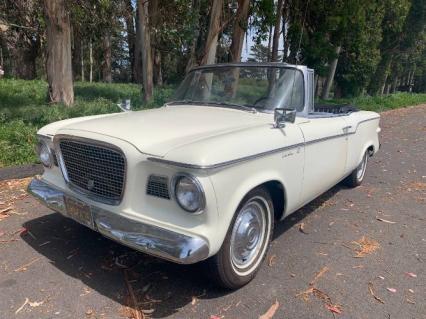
[[246, 242], [357, 175]]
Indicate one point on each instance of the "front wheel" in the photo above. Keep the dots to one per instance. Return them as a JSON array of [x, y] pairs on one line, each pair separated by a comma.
[[357, 175], [246, 242]]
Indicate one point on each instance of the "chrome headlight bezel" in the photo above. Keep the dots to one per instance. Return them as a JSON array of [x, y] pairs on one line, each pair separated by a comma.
[[44, 148], [196, 183]]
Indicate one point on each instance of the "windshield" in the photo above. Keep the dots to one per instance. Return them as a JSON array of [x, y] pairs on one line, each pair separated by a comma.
[[263, 88]]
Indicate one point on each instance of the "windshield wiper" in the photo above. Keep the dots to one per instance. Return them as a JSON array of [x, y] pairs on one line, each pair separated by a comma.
[[235, 105], [225, 104]]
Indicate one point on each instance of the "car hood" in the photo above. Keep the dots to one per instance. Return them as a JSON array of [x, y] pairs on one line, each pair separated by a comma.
[[158, 131]]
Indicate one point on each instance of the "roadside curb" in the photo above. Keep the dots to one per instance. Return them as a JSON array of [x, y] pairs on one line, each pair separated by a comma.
[[21, 171]]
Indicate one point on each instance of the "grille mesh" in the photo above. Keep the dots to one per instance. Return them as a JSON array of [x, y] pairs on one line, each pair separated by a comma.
[[158, 186], [95, 169]]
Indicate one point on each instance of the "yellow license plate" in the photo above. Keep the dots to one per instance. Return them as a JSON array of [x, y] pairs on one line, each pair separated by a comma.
[[79, 211]]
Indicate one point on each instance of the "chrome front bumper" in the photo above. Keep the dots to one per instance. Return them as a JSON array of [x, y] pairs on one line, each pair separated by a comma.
[[150, 239]]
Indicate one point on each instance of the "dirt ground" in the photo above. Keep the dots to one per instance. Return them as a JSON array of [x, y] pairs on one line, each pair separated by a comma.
[[352, 253]]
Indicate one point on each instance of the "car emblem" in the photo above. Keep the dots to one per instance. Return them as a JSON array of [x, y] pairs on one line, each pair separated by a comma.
[[90, 184]]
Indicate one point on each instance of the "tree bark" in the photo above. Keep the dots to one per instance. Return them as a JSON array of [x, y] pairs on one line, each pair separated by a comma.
[[284, 31], [277, 29], [137, 66], [145, 40], [130, 28], [213, 34], [59, 67], [82, 60], [106, 65], [331, 72], [240, 28], [192, 60], [270, 44], [379, 78], [91, 61]]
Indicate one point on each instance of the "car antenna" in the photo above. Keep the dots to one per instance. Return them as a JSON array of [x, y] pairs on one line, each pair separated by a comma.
[[298, 49]]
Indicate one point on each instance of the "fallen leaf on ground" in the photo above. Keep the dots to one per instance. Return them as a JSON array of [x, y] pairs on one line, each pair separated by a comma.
[[194, 300], [24, 267], [411, 290], [334, 308], [272, 260], [35, 303], [410, 301], [391, 290], [370, 288], [316, 292], [385, 220], [381, 277], [302, 228], [22, 307], [365, 247], [319, 275], [271, 311], [413, 275]]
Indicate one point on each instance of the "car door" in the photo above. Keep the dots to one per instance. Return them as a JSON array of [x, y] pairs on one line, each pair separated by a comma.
[[325, 154]]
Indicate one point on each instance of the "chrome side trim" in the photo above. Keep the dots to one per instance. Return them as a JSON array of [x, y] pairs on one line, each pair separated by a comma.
[[147, 238], [223, 164], [254, 156]]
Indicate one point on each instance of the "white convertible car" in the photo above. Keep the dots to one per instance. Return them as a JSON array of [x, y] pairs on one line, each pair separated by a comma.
[[206, 176]]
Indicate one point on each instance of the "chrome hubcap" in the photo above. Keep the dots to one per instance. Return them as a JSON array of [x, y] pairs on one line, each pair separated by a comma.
[[248, 235], [362, 167]]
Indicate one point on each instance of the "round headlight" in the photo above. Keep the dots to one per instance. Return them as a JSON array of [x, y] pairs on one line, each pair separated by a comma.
[[189, 193], [45, 154]]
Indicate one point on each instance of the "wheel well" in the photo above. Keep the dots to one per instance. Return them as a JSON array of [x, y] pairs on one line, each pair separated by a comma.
[[370, 150], [276, 190]]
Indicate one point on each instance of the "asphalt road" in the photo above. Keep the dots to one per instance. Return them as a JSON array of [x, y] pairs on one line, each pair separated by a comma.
[[362, 251]]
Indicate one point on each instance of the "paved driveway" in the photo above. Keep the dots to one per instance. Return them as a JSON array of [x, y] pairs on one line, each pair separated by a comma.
[[358, 251]]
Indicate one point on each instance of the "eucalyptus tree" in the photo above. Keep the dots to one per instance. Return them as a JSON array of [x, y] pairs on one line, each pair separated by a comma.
[[58, 63]]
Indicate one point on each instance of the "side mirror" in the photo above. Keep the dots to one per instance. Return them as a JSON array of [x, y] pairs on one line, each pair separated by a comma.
[[282, 115]]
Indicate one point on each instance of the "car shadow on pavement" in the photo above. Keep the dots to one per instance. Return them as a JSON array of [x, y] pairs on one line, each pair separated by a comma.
[[104, 265]]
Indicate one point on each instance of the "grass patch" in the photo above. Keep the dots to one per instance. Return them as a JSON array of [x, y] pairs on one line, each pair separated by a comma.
[[382, 103], [23, 109]]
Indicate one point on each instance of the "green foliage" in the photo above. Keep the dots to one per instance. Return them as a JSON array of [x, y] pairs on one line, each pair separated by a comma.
[[381, 103]]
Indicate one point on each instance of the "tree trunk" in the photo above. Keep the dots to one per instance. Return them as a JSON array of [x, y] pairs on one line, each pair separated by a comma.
[[394, 84], [59, 69], [379, 78], [213, 34], [154, 25], [91, 61], [106, 65], [331, 72], [158, 73], [130, 28], [284, 31], [82, 61], [192, 61], [137, 66], [270, 44], [277, 29], [240, 28], [145, 39]]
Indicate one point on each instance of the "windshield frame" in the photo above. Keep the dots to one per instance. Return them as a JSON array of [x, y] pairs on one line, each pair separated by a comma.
[[276, 65]]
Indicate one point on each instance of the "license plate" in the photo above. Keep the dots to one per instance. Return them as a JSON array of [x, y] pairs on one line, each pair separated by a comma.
[[79, 211]]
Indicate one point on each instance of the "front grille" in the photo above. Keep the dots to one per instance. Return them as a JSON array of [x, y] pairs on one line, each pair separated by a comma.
[[158, 186], [95, 169]]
